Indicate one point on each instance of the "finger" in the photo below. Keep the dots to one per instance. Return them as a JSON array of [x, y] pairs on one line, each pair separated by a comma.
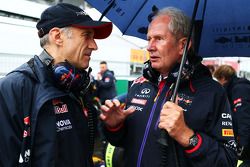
[[176, 99], [104, 108], [167, 105], [116, 102], [171, 105], [130, 110], [109, 103], [102, 117]]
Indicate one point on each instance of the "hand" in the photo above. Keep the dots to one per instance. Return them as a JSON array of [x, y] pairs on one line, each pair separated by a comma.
[[113, 113], [99, 76], [172, 120]]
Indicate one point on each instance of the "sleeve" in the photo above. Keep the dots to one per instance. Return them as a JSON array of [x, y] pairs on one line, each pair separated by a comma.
[[107, 81], [241, 111], [217, 146], [115, 136], [13, 98]]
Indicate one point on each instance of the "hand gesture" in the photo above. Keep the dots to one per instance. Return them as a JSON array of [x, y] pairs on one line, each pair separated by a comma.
[[113, 113]]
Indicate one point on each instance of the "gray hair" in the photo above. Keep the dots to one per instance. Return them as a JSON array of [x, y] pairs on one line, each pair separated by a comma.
[[179, 23], [45, 39]]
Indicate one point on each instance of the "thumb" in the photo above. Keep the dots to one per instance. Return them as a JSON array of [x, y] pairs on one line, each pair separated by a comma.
[[129, 111]]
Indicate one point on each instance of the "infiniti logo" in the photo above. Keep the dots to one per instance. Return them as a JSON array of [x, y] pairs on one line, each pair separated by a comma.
[[145, 91]]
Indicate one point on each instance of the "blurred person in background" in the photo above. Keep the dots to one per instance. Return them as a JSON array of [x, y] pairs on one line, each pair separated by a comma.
[[46, 114], [238, 91], [106, 88]]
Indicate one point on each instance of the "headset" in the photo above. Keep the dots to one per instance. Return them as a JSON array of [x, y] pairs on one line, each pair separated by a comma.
[[67, 77], [149, 73], [188, 69], [71, 79]]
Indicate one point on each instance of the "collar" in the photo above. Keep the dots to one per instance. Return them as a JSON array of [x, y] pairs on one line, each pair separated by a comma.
[[46, 58]]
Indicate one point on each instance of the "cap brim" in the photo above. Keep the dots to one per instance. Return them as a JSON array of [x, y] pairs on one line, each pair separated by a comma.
[[102, 29]]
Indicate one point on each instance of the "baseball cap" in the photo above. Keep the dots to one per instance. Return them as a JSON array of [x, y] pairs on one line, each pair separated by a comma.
[[64, 14]]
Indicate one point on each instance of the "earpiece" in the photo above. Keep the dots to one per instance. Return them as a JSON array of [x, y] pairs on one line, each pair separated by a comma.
[[149, 73], [69, 78], [66, 76], [152, 75]]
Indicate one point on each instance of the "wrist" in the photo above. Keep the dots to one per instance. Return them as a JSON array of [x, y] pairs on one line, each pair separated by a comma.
[[114, 128], [185, 137], [194, 143]]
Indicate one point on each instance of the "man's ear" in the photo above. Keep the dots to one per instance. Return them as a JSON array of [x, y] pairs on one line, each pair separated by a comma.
[[55, 35], [182, 44]]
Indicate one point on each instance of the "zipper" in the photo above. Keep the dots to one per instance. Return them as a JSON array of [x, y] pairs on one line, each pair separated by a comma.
[[161, 87]]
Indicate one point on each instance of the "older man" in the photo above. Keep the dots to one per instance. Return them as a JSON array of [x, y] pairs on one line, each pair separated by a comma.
[[198, 136]]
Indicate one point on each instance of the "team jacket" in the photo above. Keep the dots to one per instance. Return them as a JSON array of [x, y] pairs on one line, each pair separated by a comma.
[[238, 90], [106, 86], [206, 111], [37, 120]]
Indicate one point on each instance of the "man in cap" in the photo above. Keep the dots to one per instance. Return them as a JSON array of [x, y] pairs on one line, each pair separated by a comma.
[[47, 118]]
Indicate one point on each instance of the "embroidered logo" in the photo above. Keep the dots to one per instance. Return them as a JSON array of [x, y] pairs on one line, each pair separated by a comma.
[[63, 125], [139, 101], [59, 107], [227, 132]]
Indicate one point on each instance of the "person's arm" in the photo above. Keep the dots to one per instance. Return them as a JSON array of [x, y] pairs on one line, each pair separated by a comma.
[[241, 107], [217, 146], [114, 116]]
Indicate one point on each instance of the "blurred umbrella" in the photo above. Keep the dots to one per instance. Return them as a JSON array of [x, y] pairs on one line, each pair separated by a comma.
[[224, 25]]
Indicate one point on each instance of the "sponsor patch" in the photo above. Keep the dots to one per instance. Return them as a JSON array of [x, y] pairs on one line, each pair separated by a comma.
[[26, 156], [226, 116], [139, 101], [61, 109], [137, 108], [26, 133], [26, 120], [139, 80], [227, 132], [145, 91], [226, 123], [184, 99], [63, 125], [106, 79], [237, 101]]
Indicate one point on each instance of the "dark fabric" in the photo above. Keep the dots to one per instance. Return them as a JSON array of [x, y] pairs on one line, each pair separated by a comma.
[[106, 88], [238, 90], [205, 108], [29, 122]]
